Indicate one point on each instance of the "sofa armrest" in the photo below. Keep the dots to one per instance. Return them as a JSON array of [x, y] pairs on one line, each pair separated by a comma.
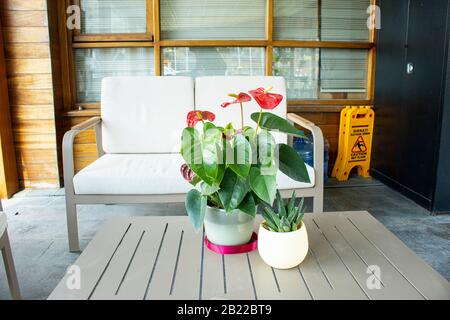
[[67, 149], [318, 144], [87, 124]]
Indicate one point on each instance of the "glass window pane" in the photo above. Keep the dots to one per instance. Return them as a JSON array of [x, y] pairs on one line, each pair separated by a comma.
[[113, 16], [343, 74], [212, 61], [300, 67], [344, 20], [322, 73], [92, 65], [296, 20], [213, 19]]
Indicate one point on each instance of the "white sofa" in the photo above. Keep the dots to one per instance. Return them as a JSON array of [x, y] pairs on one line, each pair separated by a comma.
[[139, 135]]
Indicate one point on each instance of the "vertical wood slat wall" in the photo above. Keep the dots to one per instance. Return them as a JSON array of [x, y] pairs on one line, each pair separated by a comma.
[[27, 50], [9, 183]]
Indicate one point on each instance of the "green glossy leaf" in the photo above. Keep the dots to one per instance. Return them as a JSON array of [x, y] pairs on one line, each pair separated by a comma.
[[233, 189], [269, 220], [291, 204], [207, 190], [248, 205], [191, 150], [266, 148], [196, 180], [196, 208], [273, 217], [291, 164], [229, 130], [242, 156], [280, 205], [211, 132], [273, 122], [211, 159], [264, 186], [211, 146], [249, 132]]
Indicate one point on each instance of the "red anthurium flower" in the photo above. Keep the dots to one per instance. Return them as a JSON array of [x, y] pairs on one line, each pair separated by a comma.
[[239, 98], [265, 99], [196, 116], [187, 173]]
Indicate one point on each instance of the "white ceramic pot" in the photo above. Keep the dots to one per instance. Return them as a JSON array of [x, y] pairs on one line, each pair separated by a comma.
[[283, 250], [232, 229]]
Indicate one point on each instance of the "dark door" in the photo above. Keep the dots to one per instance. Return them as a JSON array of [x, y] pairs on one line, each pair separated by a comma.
[[422, 94], [408, 106], [389, 81]]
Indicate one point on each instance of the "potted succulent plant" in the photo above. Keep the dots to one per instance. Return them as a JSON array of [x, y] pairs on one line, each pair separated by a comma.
[[234, 170], [283, 240]]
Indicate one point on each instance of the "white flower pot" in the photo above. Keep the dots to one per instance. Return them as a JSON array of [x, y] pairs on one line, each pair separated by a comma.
[[232, 229], [283, 250]]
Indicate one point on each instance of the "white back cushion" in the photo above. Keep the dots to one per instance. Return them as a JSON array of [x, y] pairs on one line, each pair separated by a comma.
[[145, 114], [211, 92]]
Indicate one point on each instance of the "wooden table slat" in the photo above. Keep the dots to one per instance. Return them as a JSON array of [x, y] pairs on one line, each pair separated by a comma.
[[135, 284], [93, 261], [344, 284], [424, 278], [358, 255]]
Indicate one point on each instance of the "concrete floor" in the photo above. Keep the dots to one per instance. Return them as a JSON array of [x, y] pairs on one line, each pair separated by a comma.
[[37, 229]]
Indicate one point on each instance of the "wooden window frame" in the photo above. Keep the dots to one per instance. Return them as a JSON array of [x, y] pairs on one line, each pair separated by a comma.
[[71, 40]]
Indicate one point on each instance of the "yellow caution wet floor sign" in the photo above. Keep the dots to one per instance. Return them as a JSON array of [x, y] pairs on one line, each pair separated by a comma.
[[355, 142]]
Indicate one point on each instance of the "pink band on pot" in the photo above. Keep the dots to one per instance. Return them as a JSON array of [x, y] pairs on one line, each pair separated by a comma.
[[249, 247]]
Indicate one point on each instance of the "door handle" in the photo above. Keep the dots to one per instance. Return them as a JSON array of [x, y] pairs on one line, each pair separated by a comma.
[[410, 68]]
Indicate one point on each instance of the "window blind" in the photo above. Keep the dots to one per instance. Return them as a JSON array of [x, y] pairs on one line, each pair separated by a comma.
[[113, 16], [213, 61], [344, 20], [343, 70], [92, 65], [300, 68], [212, 19], [296, 20]]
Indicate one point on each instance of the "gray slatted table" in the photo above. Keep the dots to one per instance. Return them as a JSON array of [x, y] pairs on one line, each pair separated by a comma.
[[163, 258]]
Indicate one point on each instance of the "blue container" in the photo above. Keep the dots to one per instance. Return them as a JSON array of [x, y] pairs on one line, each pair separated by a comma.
[[305, 148]]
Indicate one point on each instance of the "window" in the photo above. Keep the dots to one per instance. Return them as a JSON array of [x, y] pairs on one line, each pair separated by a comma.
[[213, 19], [92, 65], [300, 67], [296, 20], [322, 47], [344, 20], [213, 61], [113, 16], [325, 20], [343, 73], [322, 73]]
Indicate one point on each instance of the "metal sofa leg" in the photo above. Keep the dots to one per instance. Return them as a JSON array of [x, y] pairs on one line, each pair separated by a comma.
[[318, 203], [72, 225], [9, 266]]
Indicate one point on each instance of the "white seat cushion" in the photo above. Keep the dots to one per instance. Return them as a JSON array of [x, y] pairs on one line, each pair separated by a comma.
[[211, 92], [286, 183], [135, 174], [132, 174], [145, 114]]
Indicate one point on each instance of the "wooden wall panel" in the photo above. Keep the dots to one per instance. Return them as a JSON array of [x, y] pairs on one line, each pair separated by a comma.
[[9, 183], [329, 123], [24, 18], [85, 148], [30, 86]]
